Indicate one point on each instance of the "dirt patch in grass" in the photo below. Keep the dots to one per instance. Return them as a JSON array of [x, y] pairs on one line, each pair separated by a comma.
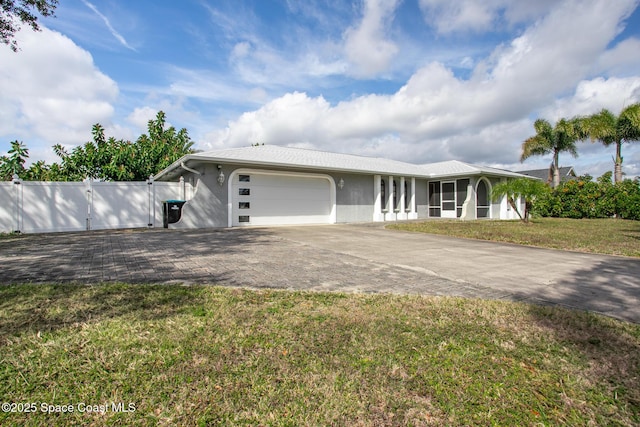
[[207, 356], [602, 236]]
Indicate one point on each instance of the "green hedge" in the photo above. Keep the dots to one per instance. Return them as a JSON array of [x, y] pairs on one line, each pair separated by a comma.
[[585, 198]]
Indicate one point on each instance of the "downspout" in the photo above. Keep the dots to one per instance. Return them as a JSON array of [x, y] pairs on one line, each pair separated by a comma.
[[185, 167]]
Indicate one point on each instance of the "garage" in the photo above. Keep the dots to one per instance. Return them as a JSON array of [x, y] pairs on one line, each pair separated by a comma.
[[260, 197]]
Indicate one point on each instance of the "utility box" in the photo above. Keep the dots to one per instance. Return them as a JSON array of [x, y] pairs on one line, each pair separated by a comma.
[[171, 211]]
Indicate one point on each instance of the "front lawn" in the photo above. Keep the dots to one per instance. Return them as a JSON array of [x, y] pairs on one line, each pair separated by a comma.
[[602, 236], [198, 355]]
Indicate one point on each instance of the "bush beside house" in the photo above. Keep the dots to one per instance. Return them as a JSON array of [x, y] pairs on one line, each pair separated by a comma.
[[585, 198]]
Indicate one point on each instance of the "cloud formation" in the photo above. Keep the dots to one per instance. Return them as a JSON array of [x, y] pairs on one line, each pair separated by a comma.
[[106, 21], [437, 115], [420, 80], [52, 90], [367, 46]]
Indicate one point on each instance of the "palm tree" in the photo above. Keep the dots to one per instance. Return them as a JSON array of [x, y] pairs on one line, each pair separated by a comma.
[[527, 189], [552, 140], [609, 129]]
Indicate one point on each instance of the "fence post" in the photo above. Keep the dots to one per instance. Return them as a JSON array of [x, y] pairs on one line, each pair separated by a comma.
[[152, 201], [89, 185], [18, 191]]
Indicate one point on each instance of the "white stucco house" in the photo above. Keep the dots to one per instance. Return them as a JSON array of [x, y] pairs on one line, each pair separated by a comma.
[[274, 185]]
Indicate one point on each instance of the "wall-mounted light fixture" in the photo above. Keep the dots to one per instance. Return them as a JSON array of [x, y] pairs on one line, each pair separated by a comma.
[[220, 175], [341, 183]]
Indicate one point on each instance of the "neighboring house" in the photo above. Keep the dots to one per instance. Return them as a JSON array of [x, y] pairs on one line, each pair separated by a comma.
[[566, 174], [273, 185]]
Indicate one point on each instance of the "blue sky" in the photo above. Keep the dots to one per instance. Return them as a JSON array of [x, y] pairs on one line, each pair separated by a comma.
[[413, 80]]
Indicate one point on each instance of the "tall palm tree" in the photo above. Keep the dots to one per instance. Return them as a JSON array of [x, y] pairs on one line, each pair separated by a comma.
[[609, 129], [552, 140]]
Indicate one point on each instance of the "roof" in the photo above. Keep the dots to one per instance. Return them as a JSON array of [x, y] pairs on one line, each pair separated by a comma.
[[566, 173], [301, 158], [455, 167]]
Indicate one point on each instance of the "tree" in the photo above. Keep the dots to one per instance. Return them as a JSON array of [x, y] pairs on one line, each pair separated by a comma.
[[15, 11], [609, 129], [119, 160], [14, 163], [160, 148], [524, 188], [553, 140]]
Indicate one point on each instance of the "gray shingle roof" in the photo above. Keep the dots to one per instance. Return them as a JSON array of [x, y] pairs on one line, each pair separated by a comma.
[[566, 173], [278, 156]]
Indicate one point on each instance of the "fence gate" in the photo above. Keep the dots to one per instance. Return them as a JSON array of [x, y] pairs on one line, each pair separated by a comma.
[[43, 207]]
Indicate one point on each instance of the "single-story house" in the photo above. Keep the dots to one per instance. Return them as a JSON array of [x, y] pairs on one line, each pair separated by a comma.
[[274, 185]]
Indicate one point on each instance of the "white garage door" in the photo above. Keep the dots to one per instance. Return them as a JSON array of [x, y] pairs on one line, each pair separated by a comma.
[[277, 198]]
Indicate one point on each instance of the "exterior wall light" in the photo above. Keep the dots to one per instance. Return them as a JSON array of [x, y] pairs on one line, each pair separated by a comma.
[[341, 183], [220, 175]]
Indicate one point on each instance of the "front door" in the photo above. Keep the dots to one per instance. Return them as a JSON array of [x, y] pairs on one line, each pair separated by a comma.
[[449, 199]]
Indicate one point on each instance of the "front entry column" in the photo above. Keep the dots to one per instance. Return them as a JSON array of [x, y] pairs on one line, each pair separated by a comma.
[[378, 215], [390, 215], [402, 212], [413, 212]]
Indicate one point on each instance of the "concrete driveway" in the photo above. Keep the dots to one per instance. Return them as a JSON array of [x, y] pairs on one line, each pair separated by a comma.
[[350, 258]]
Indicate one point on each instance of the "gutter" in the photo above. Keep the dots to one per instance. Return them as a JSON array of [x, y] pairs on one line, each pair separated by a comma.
[[185, 167]]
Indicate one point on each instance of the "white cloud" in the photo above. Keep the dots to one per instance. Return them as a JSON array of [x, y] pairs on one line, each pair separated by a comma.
[[366, 45], [140, 117], [107, 23], [591, 96], [448, 16], [437, 115], [623, 59], [52, 90]]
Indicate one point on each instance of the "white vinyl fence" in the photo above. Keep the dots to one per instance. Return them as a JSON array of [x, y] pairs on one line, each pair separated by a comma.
[[43, 207]]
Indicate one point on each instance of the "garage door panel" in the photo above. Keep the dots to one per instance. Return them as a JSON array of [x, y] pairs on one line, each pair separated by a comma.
[[282, 199], [283, 193]]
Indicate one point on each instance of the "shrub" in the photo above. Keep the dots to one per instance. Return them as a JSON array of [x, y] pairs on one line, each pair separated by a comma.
[[584, 198]]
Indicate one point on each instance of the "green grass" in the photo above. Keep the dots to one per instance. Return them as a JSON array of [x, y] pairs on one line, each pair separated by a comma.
[[602, 236], [7, 236], [214, 356]]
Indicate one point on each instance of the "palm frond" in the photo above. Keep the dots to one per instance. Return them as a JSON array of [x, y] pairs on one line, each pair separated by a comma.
[[602, 127], [629, 123]]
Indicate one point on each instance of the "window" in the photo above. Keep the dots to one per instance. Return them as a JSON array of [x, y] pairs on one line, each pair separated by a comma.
[[244, 191], [434, 198], [448, 196], [461, 195], [406, 196], [243, 218], [244, 205], [395, 195], [482, 199], [244, 178], [383, 194]]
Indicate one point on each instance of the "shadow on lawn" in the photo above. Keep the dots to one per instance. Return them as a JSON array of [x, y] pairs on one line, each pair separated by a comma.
[[72, 278], [610, 349], [46, 308]]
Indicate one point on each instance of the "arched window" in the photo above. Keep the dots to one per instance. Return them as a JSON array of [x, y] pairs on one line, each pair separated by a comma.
[[383, 194], [483, 202]]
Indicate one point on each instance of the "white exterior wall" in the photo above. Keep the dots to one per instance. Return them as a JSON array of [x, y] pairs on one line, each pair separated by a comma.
[[43, 207]]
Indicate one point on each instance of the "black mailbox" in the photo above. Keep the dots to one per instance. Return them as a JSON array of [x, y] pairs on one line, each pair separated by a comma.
[[171, 211]]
